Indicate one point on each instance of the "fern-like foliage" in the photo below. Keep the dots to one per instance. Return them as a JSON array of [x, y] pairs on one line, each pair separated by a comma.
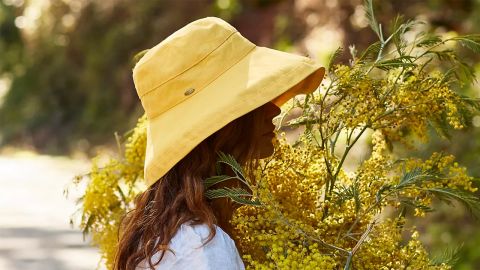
[[217, 179], [334, 57], [372, 21], [470, 201], [472, 42], [419, 179], [238, 195], [449, 256]]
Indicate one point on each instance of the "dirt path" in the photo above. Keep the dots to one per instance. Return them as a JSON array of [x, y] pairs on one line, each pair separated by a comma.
[[34, 215]]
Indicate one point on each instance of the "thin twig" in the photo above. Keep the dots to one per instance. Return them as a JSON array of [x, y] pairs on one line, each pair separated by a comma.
[[357, 246]]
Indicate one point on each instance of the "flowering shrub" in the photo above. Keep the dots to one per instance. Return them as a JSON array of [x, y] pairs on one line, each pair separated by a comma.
[[306, 210]]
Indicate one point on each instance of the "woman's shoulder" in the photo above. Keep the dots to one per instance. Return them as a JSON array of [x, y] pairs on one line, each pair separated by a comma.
[[190, 248], [189, 234], [202, 229]]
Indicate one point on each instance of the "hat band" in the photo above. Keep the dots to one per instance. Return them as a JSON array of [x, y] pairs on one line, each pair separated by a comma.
[[172, 92]]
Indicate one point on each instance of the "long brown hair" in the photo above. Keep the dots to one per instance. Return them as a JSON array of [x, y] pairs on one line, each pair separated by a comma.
[[178, 196]]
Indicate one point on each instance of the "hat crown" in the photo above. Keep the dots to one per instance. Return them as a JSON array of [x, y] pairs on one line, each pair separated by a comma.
[[202, 77], [191, 57]]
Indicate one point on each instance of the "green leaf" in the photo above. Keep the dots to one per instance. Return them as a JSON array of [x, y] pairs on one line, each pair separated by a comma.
[[467, 72], [334, 57], [441, 127], [397, 31], [350, 192], [368, 7], [240, 200], [471, 42], [428, 40], [410, 178], [402, 61], [416, 176], [88, 226], [217, 179], [378, 195], [371, 53], [415, 204], [449, 256], [230, 160], [445, 55], [474, 103], [236, 194], [399, 28], [226, 192], [469, 200], [448, 75]]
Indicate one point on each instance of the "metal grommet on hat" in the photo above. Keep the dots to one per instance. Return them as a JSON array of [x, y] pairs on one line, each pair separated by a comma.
[[189, 91], [232, 76]]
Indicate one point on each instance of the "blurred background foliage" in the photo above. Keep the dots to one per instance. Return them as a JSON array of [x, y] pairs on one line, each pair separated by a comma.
[[65, 70]]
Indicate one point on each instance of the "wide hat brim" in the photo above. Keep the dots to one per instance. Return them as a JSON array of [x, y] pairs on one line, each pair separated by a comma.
[[261, 76]]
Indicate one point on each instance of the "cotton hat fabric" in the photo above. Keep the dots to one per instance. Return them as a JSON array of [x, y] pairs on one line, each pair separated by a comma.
[[205, 75]]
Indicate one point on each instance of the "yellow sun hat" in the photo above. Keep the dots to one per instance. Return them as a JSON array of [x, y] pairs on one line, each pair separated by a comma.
[[205, 75]]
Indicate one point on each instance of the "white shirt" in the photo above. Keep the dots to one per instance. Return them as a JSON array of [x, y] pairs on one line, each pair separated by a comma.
[[219, 253]]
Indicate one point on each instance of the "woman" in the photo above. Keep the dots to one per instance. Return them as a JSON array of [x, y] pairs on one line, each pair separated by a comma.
[[205, 89]]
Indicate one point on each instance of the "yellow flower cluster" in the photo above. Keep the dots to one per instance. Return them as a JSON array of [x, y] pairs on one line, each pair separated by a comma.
[[402, 100], [135, 152], [111, 189], [315, 215], [438, 172], [385, 251], [297, 227], [294, 231], [102, 208]]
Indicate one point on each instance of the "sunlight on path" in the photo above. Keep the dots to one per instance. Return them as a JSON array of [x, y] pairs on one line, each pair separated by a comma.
[[34, 215]]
